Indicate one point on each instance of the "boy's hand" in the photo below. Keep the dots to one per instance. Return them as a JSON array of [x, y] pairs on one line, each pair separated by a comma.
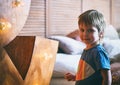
[[69, 77]]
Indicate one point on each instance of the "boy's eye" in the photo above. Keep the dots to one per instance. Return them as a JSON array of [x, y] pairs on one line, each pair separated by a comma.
[[82, 30], [90, 30]]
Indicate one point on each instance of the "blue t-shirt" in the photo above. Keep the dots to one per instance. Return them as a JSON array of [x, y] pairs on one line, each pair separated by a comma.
[[92, 60]]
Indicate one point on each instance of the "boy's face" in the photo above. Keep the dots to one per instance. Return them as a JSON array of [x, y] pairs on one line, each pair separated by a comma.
[[89, 34]]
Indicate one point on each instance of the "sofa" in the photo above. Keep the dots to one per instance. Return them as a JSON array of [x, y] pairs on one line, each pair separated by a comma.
[[69, 53]]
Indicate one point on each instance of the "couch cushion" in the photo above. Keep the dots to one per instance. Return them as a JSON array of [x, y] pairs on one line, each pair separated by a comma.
[[69, 45]]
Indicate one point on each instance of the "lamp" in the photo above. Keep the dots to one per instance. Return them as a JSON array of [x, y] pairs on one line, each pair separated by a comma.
[[17, 3], [4, 24]]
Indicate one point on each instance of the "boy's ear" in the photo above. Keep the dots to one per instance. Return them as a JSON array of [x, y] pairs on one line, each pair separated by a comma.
[[101, 34]]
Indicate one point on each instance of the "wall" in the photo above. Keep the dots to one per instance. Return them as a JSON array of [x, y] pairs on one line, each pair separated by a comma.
[[59, 17]]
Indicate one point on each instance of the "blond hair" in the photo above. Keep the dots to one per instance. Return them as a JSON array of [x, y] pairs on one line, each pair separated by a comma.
[[94, 18]]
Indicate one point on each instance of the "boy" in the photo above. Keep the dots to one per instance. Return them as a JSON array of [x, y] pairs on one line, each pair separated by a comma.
[[94, 65]]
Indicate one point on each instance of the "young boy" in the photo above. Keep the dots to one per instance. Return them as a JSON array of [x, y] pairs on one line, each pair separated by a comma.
[[94, 65]]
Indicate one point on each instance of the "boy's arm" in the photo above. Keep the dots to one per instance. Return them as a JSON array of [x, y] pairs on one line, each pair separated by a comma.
[[106, 75]]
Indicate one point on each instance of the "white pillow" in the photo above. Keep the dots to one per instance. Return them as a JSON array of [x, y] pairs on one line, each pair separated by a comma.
[[112, 47], [111, 32], [65, 63], [69, 45]]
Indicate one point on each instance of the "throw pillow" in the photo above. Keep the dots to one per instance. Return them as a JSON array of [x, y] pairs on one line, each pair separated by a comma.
[[74, 35], [112, 47], [69, 45], [111, 32]]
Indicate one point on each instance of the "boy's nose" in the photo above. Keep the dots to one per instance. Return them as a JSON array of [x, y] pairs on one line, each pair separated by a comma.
[[85, 33]]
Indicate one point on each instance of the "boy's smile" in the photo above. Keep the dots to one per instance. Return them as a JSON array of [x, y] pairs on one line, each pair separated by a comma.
[[89, 35]]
